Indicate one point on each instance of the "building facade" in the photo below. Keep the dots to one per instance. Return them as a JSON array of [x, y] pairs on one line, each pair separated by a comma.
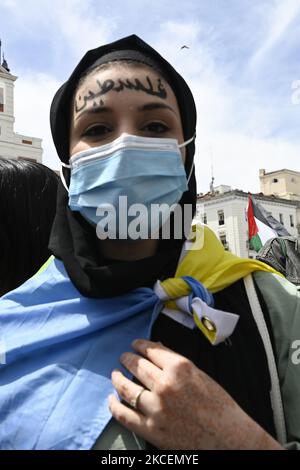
[[12, 144], [282, 183], [225, 213]]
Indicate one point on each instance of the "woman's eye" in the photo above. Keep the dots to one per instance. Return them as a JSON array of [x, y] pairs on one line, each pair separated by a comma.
[[96, 131], [156, 127]]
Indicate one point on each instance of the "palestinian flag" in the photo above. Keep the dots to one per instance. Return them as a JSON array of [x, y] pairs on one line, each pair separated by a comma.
[[261, 225]]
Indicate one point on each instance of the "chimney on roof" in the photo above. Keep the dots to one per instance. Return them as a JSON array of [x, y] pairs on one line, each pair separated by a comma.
[[262, 172]]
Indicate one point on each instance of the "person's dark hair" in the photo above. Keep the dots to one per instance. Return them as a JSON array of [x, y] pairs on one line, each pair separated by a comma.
[[27, 208]]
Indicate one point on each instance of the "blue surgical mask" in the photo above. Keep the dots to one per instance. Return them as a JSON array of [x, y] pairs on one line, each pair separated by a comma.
[[128, 171]]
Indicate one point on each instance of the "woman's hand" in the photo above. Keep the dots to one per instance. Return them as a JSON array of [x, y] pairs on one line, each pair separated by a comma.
[[181, 407]]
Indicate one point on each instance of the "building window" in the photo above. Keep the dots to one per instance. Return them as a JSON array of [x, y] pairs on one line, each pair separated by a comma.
[[291, 221], [281, 219], [221, 217], [204, 218], [293, 180], [1, 100], [28, 142], [224, 242], [275, 180]]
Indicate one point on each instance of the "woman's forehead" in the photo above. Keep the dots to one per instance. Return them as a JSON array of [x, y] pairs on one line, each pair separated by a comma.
[[118, 79]]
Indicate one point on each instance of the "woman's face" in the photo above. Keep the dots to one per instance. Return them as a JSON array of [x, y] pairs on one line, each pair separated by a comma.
[[123, 99]]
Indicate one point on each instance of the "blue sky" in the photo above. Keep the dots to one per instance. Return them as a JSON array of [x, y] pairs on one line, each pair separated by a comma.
[[242, 62]]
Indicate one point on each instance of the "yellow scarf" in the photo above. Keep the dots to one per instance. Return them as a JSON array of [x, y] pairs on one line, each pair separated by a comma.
[[209, 263]]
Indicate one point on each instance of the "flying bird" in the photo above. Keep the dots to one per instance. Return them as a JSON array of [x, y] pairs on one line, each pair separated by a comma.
[[184, 47]]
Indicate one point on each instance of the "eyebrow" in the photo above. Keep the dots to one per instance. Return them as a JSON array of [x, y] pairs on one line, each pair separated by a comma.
[[145, 107], [156, 105], [95, 110]]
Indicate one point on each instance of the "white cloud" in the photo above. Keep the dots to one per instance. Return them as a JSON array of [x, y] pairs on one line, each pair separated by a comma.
[[237, 159], [235, 127], [9, 3], [70, 27], [279, 17], [81, 26], [193, 62]]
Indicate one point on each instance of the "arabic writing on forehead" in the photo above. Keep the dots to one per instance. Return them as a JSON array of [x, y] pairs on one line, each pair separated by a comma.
[[119, 85]]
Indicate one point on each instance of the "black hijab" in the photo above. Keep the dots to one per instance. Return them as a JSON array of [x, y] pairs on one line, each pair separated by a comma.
[[73, 240]]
